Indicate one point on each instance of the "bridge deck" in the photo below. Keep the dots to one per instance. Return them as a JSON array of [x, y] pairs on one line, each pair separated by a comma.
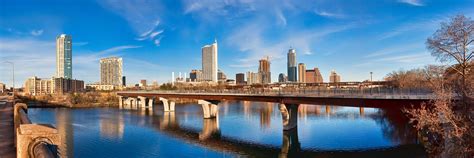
[[346, 100], [7, 148]]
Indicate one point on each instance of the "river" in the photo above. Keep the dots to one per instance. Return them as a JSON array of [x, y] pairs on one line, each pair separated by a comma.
[[242, 128]]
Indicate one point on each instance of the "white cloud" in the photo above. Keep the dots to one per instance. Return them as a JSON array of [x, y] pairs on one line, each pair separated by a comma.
[[329, 14], [143, 16], [119, 48], [409, 58], [80, 43], [281, 17], [31, 57], [417, 3], [397, 49], [36, 32]]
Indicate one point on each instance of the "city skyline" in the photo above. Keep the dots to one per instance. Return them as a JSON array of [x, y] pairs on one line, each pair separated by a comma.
[[326, 36]]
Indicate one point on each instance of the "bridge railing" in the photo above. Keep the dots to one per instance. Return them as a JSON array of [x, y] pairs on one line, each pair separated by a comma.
[[33, 140], [385, 93]]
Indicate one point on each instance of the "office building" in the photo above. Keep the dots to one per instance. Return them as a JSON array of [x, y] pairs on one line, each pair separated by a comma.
[[124, 81], [301, 73], [111, 71], [195, 75], [253, 78], [64, 56], [282, 78], [334, 77], [313, 76], [240, 78], [264, 70], [37, 86], [209, 62], [142, 83], [292, 76]]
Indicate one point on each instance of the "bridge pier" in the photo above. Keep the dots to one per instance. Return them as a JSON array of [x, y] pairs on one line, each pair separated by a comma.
[[209, 108], [142, 102], [291, 144], [167, 105], [289, 114], [210, 129], [120, 102], [150, 103]]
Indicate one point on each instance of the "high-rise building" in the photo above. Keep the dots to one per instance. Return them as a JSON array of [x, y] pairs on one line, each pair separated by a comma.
[[292, 76], [253, 78], [111, 71], [143, 83], [195, 75], [282, 78], [313, 76], [264, 70], [240, 78], [64, 56], [334, 77], [209, 62], [301, 73], [124, 81]]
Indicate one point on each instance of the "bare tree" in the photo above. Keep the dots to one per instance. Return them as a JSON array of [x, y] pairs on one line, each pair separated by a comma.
[[453, 42]]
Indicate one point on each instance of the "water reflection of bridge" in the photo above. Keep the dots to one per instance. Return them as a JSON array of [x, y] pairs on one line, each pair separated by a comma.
[[210, 136]]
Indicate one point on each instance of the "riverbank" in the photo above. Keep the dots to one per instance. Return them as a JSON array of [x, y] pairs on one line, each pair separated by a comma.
[[76, 100]]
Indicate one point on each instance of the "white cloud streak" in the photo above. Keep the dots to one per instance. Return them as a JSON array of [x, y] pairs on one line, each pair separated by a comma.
[[417, 3], [37, 32]]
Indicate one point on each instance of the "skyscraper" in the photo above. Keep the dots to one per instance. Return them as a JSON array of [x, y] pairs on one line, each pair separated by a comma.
[[301, 73], [240, 78], [209, 62], [64, 56], [292, 76], [334, 77], [264, 70], [111, 71]]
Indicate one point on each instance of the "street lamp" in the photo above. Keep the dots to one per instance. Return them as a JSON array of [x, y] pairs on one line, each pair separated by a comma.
[[13, 79]]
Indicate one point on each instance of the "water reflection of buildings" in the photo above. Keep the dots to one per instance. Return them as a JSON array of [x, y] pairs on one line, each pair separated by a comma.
[[307, 110], [210, 136], [247, 108], [112, 127], [266, 115], [66, 132]]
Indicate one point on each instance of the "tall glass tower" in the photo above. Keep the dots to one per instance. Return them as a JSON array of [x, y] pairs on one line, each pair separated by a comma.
[[292, 69], [64, 56]]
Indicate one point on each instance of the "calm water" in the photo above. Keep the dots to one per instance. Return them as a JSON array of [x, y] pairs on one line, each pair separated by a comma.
[[251, 129]]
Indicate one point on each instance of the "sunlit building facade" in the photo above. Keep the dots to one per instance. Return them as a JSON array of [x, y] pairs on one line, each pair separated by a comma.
[[301, 73], [334, 77], [313, 76], [111, 71], [264, 70], [209, 62]]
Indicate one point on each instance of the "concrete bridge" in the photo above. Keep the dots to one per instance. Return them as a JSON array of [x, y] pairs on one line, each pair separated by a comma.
[[288, 102]]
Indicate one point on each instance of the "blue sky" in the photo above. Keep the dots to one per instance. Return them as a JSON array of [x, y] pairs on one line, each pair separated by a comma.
[[156, 37]]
